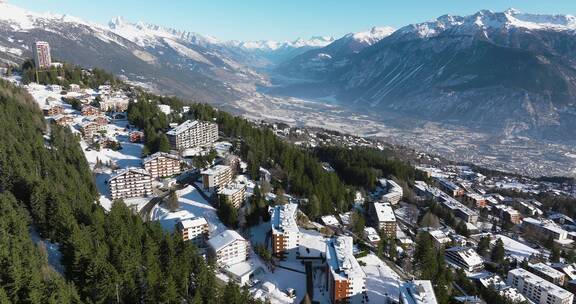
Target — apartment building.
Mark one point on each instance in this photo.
(548, 273)
(161, 164)
(459, 210)
(216, 177)
(195, 230)
(136, 136)
(417, 292)
(52, 110)
(464, 258)
(544, 230)
(228, 248)
(130, 182)
(507, 213)
(537, 289)
(449, 187)
(90, 128)
(285, 233)
(439, 239)
(394, 192)
(383, 218)
(345, 279)
(193, 134)
(63, 120)
(475, 200)
(89, 110)
(372, 235)
(101, 120)
(42, 57)
(114, 104)
(235, 193)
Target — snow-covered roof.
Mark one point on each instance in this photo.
(193, 222)
(440, 236)
(340, 258)
(215, 170)
(417, 292)
(159, 154)
(129, 169)
(542, 283)
(283, 218)
(231, 189)
(312, 244)
(467, 255)
(547, 270)
(384, 212)
(330, 220)
(224, 239)
(182, 127)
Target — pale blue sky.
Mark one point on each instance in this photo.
(283, 19)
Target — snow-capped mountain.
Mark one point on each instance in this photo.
(506, 71)
(487, 21)
(176, 62)
(316, 62)
(266, 53)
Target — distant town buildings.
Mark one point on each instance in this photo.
(195, 230)
(285, 232)
(42, 57)
(216, 177)
(537, 289)
(228, 248)
(162, 164)
(193, 134)
(345, 278)
(130, 182)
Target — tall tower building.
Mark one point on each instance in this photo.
(42, 57)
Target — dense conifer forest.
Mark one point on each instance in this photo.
(46, 184)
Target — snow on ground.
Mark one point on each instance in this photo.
(192, 204)
(381, 280)
(258, 233)
(130, 154)
(282, 279)
(52, 250)
(516, 249)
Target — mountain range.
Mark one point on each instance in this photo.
(504, 71)
(507, 72)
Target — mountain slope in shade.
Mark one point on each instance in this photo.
(502, 71)
(321, 61)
